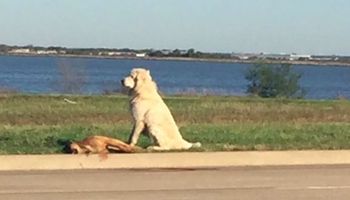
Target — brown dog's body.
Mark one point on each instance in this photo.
(100, 144)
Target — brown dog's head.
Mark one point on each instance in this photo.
(136, 78)
(75, 148)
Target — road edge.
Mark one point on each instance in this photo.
(173, 160)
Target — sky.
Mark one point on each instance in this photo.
(270, 26)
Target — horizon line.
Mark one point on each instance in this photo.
(139, 49)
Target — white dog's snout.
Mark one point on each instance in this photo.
(128, 82)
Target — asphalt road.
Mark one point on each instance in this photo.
(268, 183)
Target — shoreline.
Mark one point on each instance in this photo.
(184, 59)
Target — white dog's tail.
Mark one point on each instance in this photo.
(196, 145)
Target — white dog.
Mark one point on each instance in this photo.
(151, 114)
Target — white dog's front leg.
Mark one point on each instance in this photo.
(136, 131)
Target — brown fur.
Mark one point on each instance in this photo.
(101, 145)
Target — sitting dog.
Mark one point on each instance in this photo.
(151, 114)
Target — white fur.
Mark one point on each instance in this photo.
(151, 114)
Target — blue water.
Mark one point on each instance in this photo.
(49, 75)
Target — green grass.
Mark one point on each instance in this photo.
(35, 124)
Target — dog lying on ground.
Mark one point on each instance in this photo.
(151, 114)
(101, 145)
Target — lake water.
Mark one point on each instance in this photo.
(96, 76)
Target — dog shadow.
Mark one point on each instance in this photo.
(64, 145)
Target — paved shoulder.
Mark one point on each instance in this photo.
(173, 160)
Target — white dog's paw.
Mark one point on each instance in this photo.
(196, 145)
(157, 148)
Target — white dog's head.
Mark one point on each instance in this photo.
(137, 78)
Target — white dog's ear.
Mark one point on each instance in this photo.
(149, 73)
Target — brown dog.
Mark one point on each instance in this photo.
(101, 145)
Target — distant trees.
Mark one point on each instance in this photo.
(157, 53)
(273, 81)
(190, 53)
(3, 48)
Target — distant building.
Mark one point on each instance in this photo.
(243, 56)
(325, 58)
(141, 55)
(114, 53)
(275, 56)
(46, 52)
(299, 57)
(20, 51)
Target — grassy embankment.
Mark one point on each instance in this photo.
(31, 124)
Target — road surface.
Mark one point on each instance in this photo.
(268, 183)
